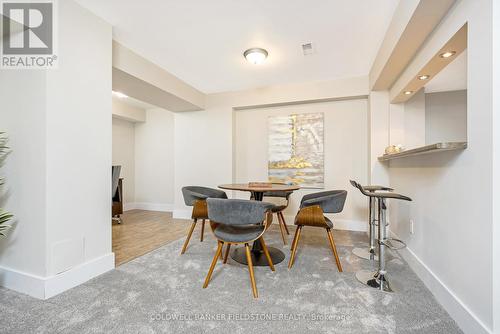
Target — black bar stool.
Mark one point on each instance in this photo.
(370, 253)
(378, 279)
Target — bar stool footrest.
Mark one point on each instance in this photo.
(365, 253)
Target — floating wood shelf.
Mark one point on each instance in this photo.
(438, 147)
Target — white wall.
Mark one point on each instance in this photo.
(145, 150)
(79, 141)
(345, 149)
(23, 119)
(446, 116)
(407, 122)
(203, 139)
(496, 166)
(414, 121)
(429, 118)
(396, 124)
(60, 177)
(378, 129)
(452, 206)
(154, 161)
(124, 155)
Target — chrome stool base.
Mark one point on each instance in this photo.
(365, 253)
(373, 280)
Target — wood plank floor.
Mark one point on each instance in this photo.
(143, 231)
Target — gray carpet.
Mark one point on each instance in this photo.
(161, 292)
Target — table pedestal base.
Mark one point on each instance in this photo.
(258, 258)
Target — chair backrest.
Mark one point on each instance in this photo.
(331, 201)
(277, 193)
(193, 193)
(360, 187)
(237, 211)
(115, 177)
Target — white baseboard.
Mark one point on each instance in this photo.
(464, 317)
(128, 206)
(46, 287)
(28, 284)
(164, 207)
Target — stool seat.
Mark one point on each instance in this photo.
(379, 194)
(377, 188)
(391, 195)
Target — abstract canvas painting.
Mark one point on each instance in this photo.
(296, 152)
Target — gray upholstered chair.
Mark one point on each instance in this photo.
(279, 208)
(196, 197)
(311, 213)
(236, 221)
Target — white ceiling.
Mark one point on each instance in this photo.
(452, 77)
(202, 41)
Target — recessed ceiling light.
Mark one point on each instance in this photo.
(447, 54)
(255, 55)
(408, 92)
(424, 77)
(120, 95)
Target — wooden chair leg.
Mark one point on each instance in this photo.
(188, 237)
(334, 249)
(282, 229)
(202, 230)
(227, 252)
(250, 270)
(266, 252)
(214, 262)
(295, 243)
(284, 222)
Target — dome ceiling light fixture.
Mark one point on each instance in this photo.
(255, 55)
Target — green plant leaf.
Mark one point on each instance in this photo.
(5, 217)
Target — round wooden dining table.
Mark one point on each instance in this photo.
(257, 193)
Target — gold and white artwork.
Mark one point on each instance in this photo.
(296, 153)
